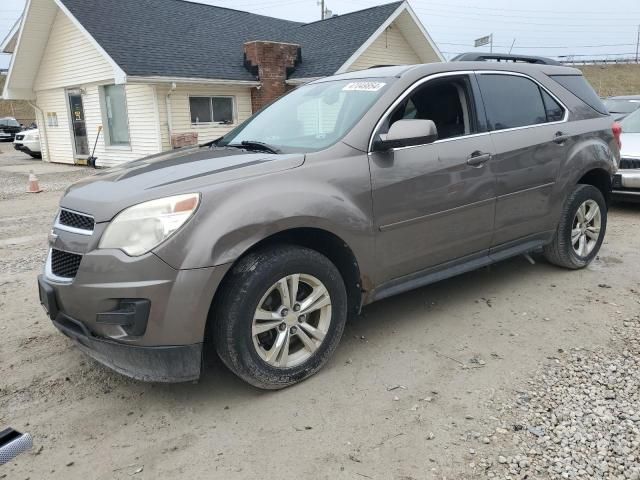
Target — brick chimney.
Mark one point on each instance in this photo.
(271, 62)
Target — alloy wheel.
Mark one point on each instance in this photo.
(586, 228)
(291, 320)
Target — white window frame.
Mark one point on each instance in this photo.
(234, 111)
(105, 120)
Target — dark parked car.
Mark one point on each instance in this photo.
(9, 126)
(620, 107)
(347, 190)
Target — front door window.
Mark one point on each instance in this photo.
(78, 125)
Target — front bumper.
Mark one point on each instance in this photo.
(626, 184)
(179, 363)
(27, 146)
(160, 341)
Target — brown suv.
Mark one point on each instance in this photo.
(347, 190)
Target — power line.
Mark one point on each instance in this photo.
(547, 46)
(631, 54)
(454, 16)
(492, 15)
(571, 12)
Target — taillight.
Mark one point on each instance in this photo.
(617, 133)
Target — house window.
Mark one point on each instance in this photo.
(211, 110)
(115, 115)
(52, 119)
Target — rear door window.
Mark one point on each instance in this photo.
(511, 101)
(577, 85)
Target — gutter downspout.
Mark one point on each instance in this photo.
(44, 128)
(169, 116)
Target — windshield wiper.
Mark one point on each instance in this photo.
(254, 145)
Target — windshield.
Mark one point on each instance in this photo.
(631, 124)
(622, 106)
(310, 118)
(9, 122)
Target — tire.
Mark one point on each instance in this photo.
(563, 251)
(252, 284)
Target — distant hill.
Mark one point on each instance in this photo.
(608, 80)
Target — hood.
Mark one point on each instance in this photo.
(630, 145)
(180, 171)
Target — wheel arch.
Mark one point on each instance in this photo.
(599, 178)
(323, 241)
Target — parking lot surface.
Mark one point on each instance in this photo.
(448, 381)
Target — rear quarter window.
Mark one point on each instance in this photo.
(579, 86)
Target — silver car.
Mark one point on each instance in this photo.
(626, 183)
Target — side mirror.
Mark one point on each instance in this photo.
(407, 133)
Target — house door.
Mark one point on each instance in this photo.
(78, 126)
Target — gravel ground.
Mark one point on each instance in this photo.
(580, 416)
(15, 167)
(505, 372)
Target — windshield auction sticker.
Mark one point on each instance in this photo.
(363, 86)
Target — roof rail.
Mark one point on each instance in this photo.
(503, 57)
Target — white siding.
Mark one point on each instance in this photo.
(390, 48)
(181, 115)
(144, 132)
(71, 61)
(58, 138)
(70, 58)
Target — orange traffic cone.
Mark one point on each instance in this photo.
(33, 186)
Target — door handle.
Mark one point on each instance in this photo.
(478, 158)
(560, 138)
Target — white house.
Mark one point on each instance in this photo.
(154, 74)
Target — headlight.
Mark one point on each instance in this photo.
(140, 228)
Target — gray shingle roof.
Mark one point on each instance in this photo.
(176, 38)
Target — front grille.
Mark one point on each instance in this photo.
(629, 163)
(19, 137)
(64, 264)
(76, 220)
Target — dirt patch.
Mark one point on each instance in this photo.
(416, 390)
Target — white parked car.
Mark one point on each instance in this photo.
(28, 141)
(626, 184)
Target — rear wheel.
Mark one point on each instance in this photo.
(280, 316)
(581, 229)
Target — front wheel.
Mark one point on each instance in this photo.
(280, 316)
(581, 229)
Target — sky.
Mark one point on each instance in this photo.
(581, 28)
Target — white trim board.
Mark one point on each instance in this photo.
(208, 81)
(402, 8)
(12, 33)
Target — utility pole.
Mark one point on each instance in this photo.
(321, 3)
(512, 44)
(638, 44)
(491, 47)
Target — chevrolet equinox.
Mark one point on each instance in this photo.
(347, 190)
